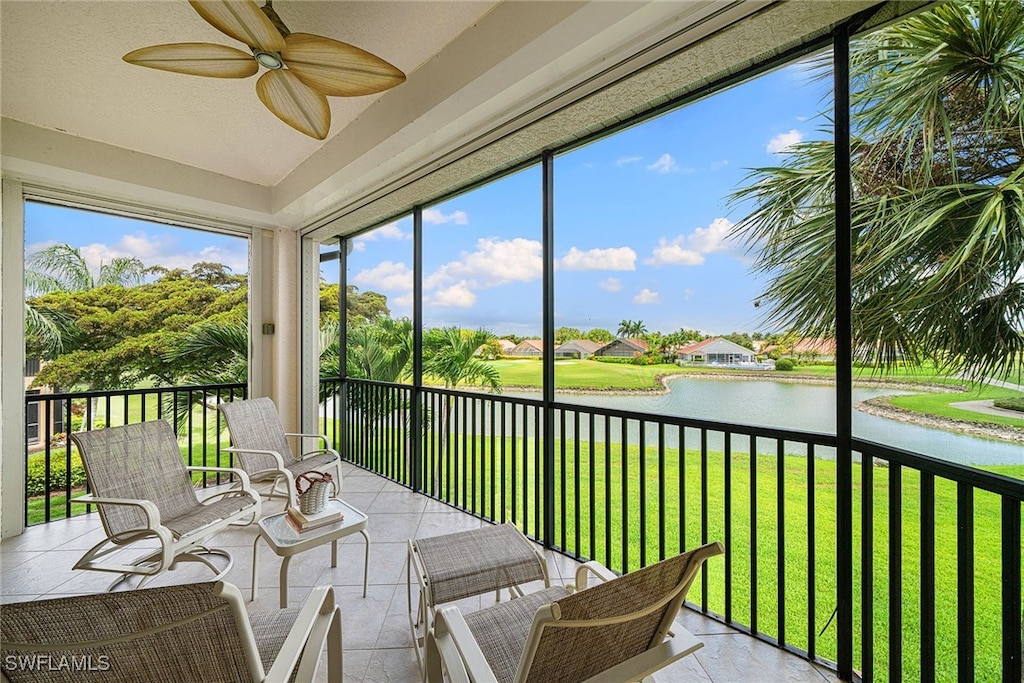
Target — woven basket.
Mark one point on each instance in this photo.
(314, 489)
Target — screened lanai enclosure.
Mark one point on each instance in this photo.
(552, 169)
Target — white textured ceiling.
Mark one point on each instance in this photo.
(62, 70)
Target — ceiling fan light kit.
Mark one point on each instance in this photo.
(302, 68)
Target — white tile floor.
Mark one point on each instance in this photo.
(377, 643)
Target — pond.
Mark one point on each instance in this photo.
(800, 407)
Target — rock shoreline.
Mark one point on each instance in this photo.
(880, 407)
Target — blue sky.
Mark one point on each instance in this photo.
(641, 226)
(101, 237)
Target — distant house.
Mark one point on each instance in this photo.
(504, 344)
(577, 348)
(622, 348)
(42, 418)
(715, 350)
(815, 348)
(810, 348)
(528, 348)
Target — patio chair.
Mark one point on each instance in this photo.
(261, 445)
(143, 491)
(194, 632)
(619, 630)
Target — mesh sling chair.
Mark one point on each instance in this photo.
(194, 632)
(618, 630)
(143, 491)
(260, 444)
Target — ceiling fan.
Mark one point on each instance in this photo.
(302, 68)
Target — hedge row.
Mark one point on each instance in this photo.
(35, 480)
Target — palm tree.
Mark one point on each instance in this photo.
(449, 355)
(61, 268)
(938, 198)
(632, 329)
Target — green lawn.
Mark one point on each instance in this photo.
(585, 374)
(940, 405)
(621, 509)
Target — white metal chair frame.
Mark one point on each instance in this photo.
(280, 475)
(187, 547)
(317, 624)
(452, 652)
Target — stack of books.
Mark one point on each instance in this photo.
(331, 514)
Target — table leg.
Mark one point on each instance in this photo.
(334, 554)
(255, 547)
(284, 580)
(366, 561)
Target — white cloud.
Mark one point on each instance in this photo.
(664, 164)
(687, 293)
(646, 296)
(388, 276)
(495, 262)
(712, 238)
(163, 250)
(689, 250)
(614, 258)
(622, 161)
(456, 296)
(674, 254)
(783, 141)
(391, 231)
(719, 165)
(435, 217)
(612, 284)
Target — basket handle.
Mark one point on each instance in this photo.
(310, 478)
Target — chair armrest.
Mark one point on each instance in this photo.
(277, 456)
(319, 451)
(321, 437)
(649, 661)
(236, 471)
(307, 637)
(452, 651)
(597, 569)
(148, 507)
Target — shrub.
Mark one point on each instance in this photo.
(615, 359)
(784, 364)
(1015, 403)
(35, 477)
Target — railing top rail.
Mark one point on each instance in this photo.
(815, 438)
(980, 479)
(35, 398)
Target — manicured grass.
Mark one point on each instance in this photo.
(611, 493)
(940, 405)
(585, 374)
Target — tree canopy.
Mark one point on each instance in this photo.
(938, 198)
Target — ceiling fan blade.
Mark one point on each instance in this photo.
(295, 103)
(336, 68)
(198, 59)
(242, 20)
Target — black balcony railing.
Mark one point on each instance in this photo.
(54, 472)
(937, 562)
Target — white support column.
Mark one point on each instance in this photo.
(287, 347)
(262, 280)
(310, 335)
(12, 360)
